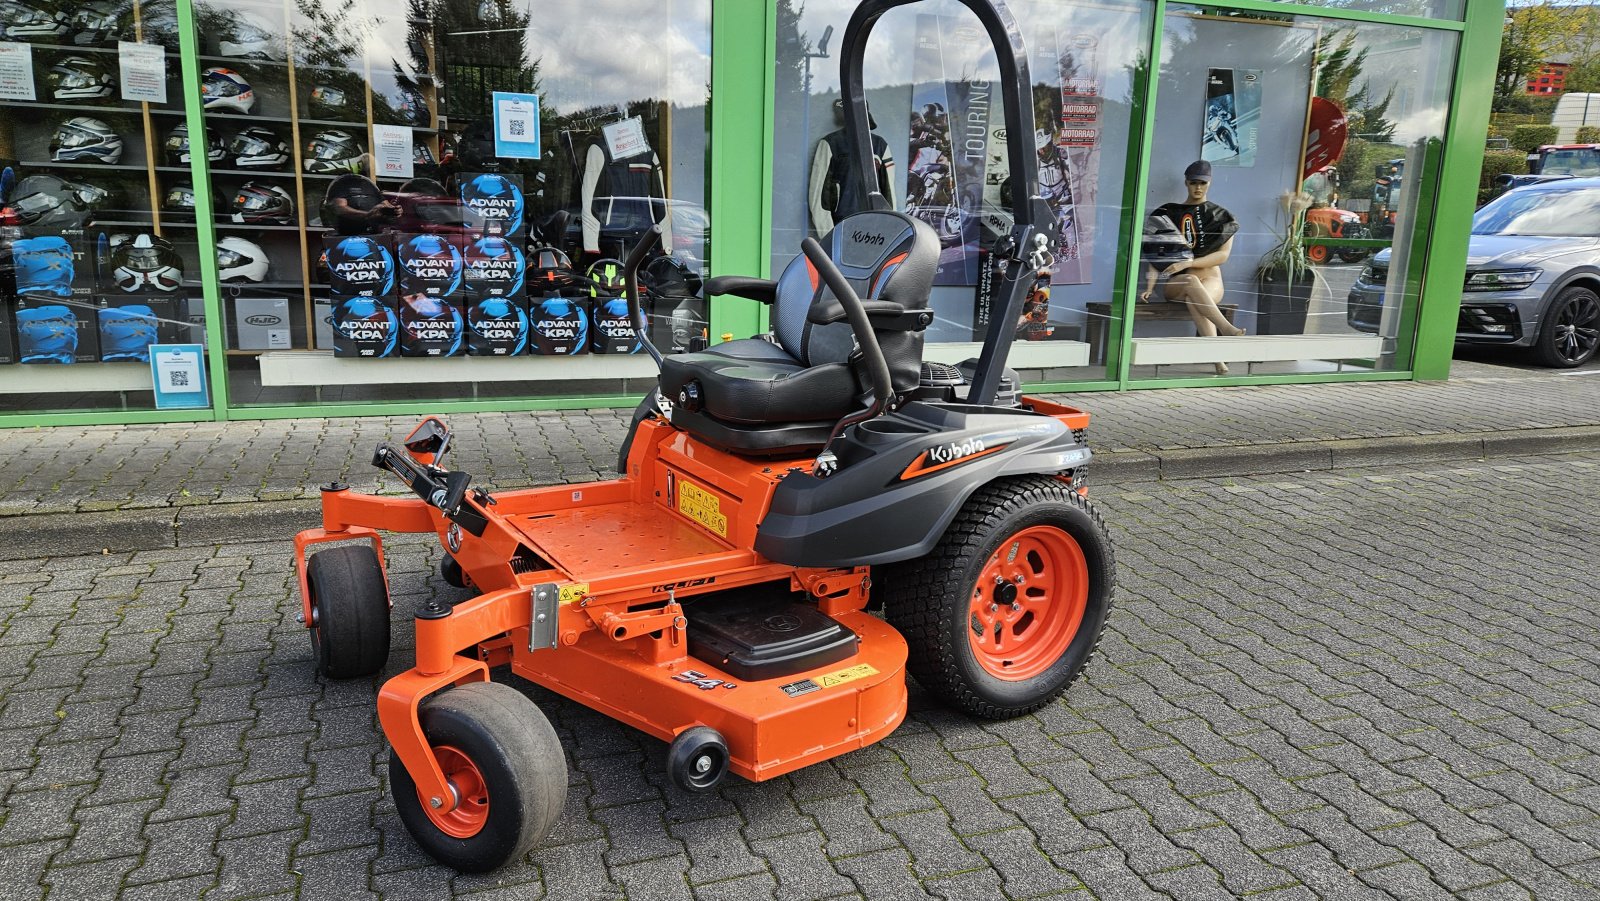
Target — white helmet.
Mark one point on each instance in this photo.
(252, 36)
(226, 89)
(239, 260)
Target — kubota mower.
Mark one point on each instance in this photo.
(773, 490)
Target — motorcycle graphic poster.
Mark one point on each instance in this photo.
(1232, 117)
(951, 101)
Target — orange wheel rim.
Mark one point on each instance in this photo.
(1317, 253)
(1028, 603)
(472, 805)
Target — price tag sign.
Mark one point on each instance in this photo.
(516, 126)
(392, 145)
(626, 138)
(179, 373)
(16, 71)
(144, 71)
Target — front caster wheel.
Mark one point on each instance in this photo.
(1007, 610)
(349, 611)
(698, 759)
(504, 764)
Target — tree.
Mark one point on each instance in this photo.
(1532, 34)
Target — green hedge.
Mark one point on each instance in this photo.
(1589, 134)
(1497, 163)
(1528, 138)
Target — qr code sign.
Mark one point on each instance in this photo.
(518, 127)
(177, 378)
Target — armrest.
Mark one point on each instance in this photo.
(884, 314)
(757, 289)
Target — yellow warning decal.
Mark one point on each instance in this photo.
(859, 671)
(702, 506)
(572, 594)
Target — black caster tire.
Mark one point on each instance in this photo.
(349, 611)
(698, 759)
(503, 758)
(450, 570)
(1008, 608)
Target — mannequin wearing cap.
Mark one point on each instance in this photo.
(834, 195)
(1198, 282)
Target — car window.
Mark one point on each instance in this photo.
(1555, 214)
(1574, 161)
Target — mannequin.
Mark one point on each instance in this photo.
(605, 180)
(1198, 282)
(833, 193)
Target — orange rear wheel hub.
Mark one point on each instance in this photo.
(1028, 603)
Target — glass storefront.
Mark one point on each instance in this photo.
(942, 134)
(427, 203)
(1317, 143)
(99, 257)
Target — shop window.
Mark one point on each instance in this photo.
(1431, 9)
(432, 200)
(1285, 148)
(940, 127)
(98, 257)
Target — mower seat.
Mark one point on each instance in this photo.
(783, 397)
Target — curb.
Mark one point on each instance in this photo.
(203, 525)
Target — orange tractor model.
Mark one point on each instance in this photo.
(772, 492)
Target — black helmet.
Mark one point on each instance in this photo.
(667, 276)
(32, 21)
(262, 203)
(178, 203)
(258, 147)
(146, 263)
(46, 200)
(97, 22)
(83, 139)
(79, 78)
(177, 146)
(333, 151)
(1162, 243)
(331, 102)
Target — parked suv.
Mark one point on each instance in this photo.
(1533, 275)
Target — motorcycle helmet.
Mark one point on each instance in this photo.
(225, 89)
(258, 147)
(330, 102)
(47, 334)
(31, 20)
(77, 78)
(43, 266)
(670, 277)
(178, 203)
(429, 265)
(333, 151)
(605, 277)
(177, 146)
(48, 201)
(83, 139)
(251, 35)
(239, 260)
(126, 333)
(266, 204)
(359, 266)
(549, 271)
(146, 263)
(98, 22)
(494, 202)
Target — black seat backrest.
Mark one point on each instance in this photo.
(885, 256)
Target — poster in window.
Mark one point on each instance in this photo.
(951, 99)
(1232, 117)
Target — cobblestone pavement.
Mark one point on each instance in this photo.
(110, 467)
(1344, 686)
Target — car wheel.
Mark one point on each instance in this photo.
(1571, 330)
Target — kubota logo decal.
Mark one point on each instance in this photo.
(944, 456)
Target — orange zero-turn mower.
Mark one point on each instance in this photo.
(716, 595)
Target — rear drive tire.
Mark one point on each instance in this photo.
(349, 611)
(1571, 330)
(503, 759)
(1008, 608)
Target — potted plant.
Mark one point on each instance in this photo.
(1283, 277)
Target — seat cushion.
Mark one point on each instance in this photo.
(753, 381)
